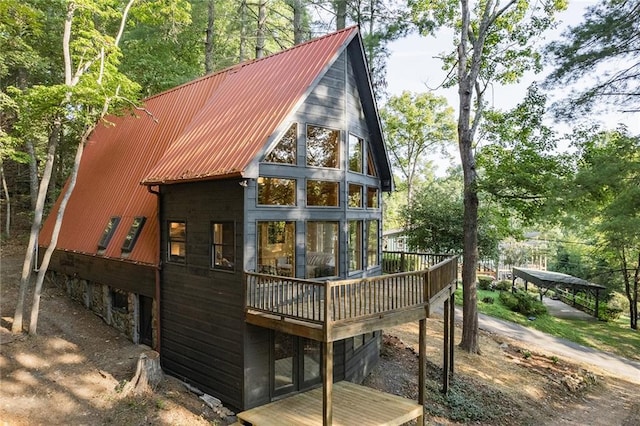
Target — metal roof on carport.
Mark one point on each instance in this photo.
(549, 279)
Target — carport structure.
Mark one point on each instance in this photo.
(547, 280)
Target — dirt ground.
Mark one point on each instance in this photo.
(73, 372)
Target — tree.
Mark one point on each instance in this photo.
(606, 45)
(495, 44)
(606, 197)
(92, 88)
(416, 125)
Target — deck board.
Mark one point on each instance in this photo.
(352, 405)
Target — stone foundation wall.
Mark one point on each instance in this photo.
(98, 298)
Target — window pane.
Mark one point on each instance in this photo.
(372, 197)
(323, 147)
(276, 248)
(177, 241)
(284, 354)
(372, 243)
(322, 249)
(371, 168)
(223, 246)
(285, 151)
(355, 195)
(275, 191)
(321, 193)
(355, 154)
(355, 245)
(311, 361)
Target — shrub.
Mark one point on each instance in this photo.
(523, 303)
(484, 282)
(503, 285)
(607, 313)
(488, 300)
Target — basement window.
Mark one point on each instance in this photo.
(132, 235)
(119, 301)
(109, 230)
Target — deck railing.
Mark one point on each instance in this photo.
(347, 300)
(400, 261)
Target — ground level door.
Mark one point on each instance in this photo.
(146, 321)
(295, 364)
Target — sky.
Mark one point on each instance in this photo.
(412, 66)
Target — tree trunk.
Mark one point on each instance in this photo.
(467, 74)
(7, 229)
(262, 17)
(341, 14)
(44, 266)
(243, 30)
(298, 34)
(29, 259)
(33, 174)
(148, 374)
(208, 43)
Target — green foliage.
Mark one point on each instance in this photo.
(503, 285)
(488, 300)
(523, 303)
(484, 282)
(606, 40)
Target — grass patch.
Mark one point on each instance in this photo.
(615, 336)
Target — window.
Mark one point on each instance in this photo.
(355, 245)
(372, 197)
(355, 154)
(323, 147)
(223, 246)
(276, 248)
(322, 193)
(276, 191)
(108, 232)
(322, 249)
(119, 300)
(371, 167)
(285, 151)
(372, 243)
(355, 195)
(132, 235)
(177, 242)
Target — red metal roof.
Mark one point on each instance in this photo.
(210, 128)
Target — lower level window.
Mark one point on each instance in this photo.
(322, 249)
(119, 300)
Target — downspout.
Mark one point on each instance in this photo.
(157, 270)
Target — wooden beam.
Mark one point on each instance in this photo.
(422, 359)
(446, 358)
(452, 328)
(327, 384)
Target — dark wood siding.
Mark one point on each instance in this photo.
(135, 278)
(360, 362)
(202, 318)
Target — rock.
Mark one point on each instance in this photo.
(211, 401)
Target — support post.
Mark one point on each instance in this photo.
(327, 384)
(597, 303)
(446, 359)
(422, 359)
(452, 324)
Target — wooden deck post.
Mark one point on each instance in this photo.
(446, 359)
(452, 328)
(327, 361)
(422, 359)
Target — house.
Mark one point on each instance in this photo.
(222, 202)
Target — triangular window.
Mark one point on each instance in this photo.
(371, 166)
(285, 151)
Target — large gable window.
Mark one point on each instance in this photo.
(355, 195)
(371, 167)
(132, 235)
(322, 249)
(285, 151)
(355, 153)
(323, 147)
(372, 243)
(108, 232)
(223, 246)
(372, 197)
(322, 193)
(177, 242)
(355, 245)
(276, 191)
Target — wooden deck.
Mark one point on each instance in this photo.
(353, 405)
